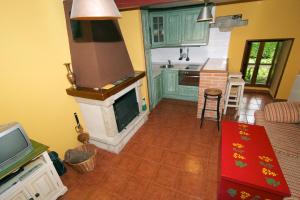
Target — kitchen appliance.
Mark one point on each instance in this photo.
(187, 77)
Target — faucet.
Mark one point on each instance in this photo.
(169, 62)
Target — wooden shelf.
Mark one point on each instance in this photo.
(103, 94)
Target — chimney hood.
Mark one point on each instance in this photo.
(227, 23)
(98, 52)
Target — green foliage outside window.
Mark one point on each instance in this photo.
(267, 57)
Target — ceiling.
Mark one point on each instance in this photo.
(134, 4)
(194, 2)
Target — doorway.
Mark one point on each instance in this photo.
(265, 60)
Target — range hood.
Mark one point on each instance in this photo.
(227, 23)
(98, 51)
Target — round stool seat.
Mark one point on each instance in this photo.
(213, 92)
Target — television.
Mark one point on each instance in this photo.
(14, 144)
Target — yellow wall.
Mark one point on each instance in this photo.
(131, 27)
(34, 46)
(267, 19)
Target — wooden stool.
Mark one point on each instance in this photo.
(235, 75)
(213, 94)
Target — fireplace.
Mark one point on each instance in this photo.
(112, 117)
(100, 60)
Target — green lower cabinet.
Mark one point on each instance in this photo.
(158, 90)
(172, 90)
(170, 82)
(188, 92)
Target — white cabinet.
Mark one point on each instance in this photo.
(16, 193)
(38, 181)
(42, 185)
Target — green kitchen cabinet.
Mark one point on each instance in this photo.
(177, 27)
(172, 89)
(170, 82)
(158, 29)
(193, 31)
(173, 28)
(158, 90)
(146, 29)
(188, 92)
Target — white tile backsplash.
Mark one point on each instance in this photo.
(217, 48)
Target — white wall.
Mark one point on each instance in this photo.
(217, 48)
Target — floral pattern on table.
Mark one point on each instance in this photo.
(238, 148)
(244, 195)
(237, 155)
(267, 167)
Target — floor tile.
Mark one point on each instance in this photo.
(153, 153)
(129, 163)
(194, 164)
(190, 183)
(115, 182)
(199, 150)
(135, 188)
(166, 176)
(172, 158)
(147, 169)
(156, 192)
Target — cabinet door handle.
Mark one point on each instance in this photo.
(37, 195)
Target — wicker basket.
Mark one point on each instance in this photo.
(87, 165)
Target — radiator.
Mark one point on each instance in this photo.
(295, 92)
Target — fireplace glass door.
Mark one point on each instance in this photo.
(126, 109)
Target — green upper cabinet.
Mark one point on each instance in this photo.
(173, 27)
(157, 23)
(178, 27)
(193, 31)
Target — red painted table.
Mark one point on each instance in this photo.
(249, 168)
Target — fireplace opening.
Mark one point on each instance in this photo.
(126, 109)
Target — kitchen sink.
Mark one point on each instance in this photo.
(167, 66)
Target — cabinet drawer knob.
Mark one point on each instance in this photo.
(37, 195)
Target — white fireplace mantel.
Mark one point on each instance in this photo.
(101, 123)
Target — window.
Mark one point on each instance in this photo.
(259, 61)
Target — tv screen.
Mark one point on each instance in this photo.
(14, 144)
(11, 144)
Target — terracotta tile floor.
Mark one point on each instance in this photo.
(170, 157)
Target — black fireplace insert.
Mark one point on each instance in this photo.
(126, 109)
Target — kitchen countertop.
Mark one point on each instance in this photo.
(211, 64)
(215, 64)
